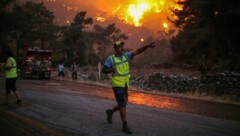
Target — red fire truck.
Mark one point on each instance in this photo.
(37, 63)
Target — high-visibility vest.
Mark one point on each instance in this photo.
(12, 73)
(122, 71)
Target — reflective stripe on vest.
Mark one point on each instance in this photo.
(12, 73)
(122, 75)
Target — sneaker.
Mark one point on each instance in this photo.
(18, 101)
(109, 115)
(126, 129)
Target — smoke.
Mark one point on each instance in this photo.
(110, 10)
(115, 11)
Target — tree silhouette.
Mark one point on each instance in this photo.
(76, 41)
(107, 36)
(208, 31)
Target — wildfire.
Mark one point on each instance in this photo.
(100, 19)
(148, 13)
(166, 27)
(134, 12)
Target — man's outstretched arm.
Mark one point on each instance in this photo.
(142, 49)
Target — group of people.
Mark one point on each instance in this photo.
(117, 64)
(61, 71)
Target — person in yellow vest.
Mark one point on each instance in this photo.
(11, 77)
(119, 65)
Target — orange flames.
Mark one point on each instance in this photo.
(148, 13)
(134, 12)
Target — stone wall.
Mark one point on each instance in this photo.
(227, 83)
(218, 84)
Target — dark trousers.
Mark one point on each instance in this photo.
(10, 85)
(74, 75)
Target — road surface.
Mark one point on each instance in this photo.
(70, 108)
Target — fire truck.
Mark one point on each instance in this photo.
(37, 63)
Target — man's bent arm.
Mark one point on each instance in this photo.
(107, 70)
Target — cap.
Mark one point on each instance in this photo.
(119, 43)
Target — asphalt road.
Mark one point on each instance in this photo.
(68, 108)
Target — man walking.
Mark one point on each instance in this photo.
(74, 71)
(11, 77)
(118, 65)
(61, 72)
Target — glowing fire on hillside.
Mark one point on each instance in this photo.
(148, 13)
(134, 12)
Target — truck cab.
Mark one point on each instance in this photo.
(37, 63)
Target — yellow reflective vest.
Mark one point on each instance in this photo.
(12, 73)
(122, 71)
